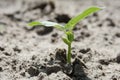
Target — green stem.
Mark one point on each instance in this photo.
(69, 54)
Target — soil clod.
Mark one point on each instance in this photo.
(61, 55)
(100, 67)
(44, 30)
(78, 72)
(104, 62)
(84, 50)
(23, 73)
(41, 30)
(111, 23)
(33, 71)
(2, 49)
(53, 69)
(16, 49)
(7, 54)
(117, 35)
(118, 58)
(55, 35)
(1, 69)
(68, 69)
(62, 18)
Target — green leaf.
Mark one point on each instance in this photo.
(66, 41)
(35, 23)
(70, 25)
(47, 24)
(70, 36)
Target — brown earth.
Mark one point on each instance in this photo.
(38, 53)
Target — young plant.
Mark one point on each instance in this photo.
(68, 28)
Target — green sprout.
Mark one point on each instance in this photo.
(68, 28)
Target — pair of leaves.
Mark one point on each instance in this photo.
(70, 37)
(70, 25)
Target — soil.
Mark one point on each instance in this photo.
(38, 53)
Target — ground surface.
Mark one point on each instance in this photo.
(36, 53)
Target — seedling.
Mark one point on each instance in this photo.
(68, 28)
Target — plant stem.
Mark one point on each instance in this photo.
(69, 54)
